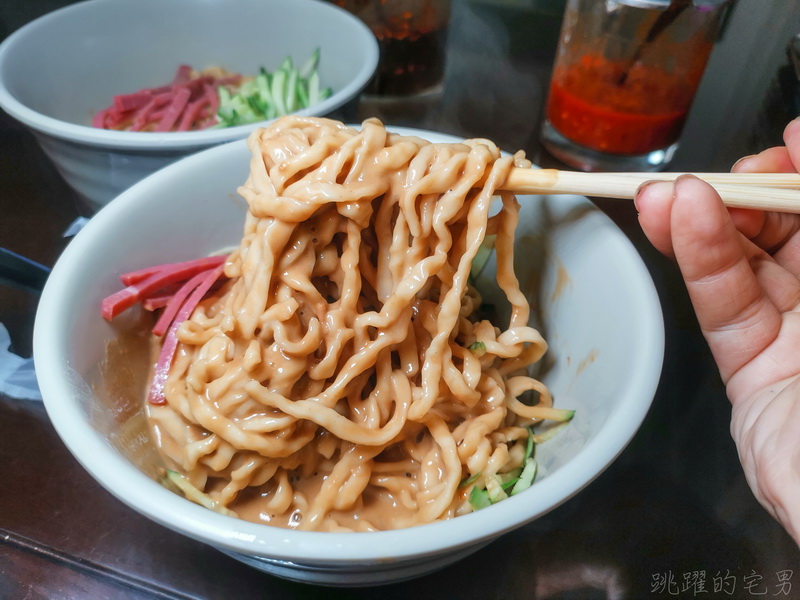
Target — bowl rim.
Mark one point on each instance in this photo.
(149, 498)
(175, 140)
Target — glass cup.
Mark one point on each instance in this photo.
(625, 75)
(412, 35)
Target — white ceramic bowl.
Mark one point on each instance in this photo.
(598, 308)
(56, 71)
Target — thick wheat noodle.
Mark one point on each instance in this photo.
(342, 379)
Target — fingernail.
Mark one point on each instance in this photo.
(652, 191)
(741, 161)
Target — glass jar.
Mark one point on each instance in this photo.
(412, 37)
(625, 75)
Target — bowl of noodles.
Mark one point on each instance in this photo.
(342, 354)
(153, 64)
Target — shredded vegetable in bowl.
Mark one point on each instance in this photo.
(215, 97)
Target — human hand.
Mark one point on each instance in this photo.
(742, 272)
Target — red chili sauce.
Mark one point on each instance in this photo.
(595, 105)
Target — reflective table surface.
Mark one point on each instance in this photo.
(672, 517)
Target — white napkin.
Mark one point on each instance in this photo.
(74, 227)
(17, 376)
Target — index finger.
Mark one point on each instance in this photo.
(773, 231)
(736, 316)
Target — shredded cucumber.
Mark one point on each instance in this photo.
(501, 486)
(495, 490)
(478, 348)
(526, 477)
(482, 257)
(468, 480)
(270, 95)
(479, 498)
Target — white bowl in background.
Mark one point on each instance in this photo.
(58, 70)
(597, 308)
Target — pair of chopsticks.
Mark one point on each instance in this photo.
(778, 192)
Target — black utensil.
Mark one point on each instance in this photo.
(20, 272)
(664, 20)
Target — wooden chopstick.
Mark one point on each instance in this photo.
(765, 191)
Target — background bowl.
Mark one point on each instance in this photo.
(597, 307)
(58, 70)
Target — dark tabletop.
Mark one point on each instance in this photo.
(672, 517)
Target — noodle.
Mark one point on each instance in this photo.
(342, 379)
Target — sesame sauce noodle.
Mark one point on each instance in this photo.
(342, 379)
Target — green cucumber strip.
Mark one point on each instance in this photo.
(482, 256)
(478, 348)
(278, 90)
(529, 446)
(469, 480)
(561, 415)
(269, 95)
(509, 484)
(310, 65)
(511, 475)
(479, 499)
(291, 92)
(287, 64)
(495, 490)
(302, 92)
(526, 478)
(313, 89)
(256, 105)
(509, 480)
(549, 433)
(262, 85)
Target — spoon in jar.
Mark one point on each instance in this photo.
(664, 20)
